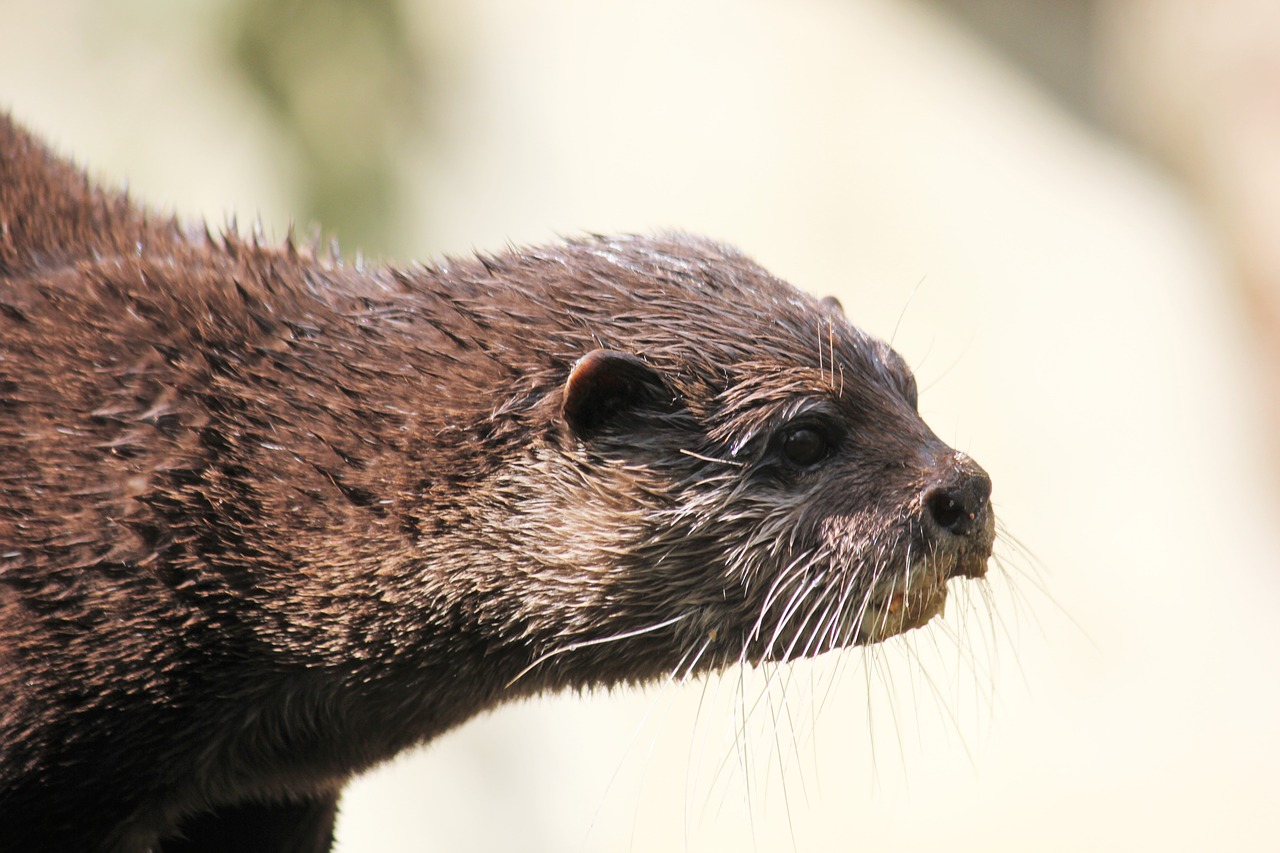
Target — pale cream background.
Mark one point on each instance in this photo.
(1071, 326)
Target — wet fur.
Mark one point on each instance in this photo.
(266, 520)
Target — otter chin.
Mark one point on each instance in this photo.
(267, 520)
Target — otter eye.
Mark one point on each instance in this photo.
(804, 445)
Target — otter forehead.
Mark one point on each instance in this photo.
(692, 307)
(738, 309)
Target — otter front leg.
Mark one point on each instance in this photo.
(299, 826)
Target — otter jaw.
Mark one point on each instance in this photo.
(912, 600)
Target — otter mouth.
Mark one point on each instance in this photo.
(902, 607)
(897, 605)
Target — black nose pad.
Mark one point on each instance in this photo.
(958, 504)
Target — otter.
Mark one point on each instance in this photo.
(267, 520)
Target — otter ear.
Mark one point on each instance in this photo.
(604, 384)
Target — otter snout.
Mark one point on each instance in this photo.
(957, 514)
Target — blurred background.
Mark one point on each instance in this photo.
(1063, 214)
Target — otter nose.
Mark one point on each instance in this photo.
(958, 502)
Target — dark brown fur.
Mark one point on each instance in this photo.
(266, 520)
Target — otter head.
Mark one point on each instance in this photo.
(743, 475)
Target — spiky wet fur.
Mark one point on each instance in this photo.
(266, 520)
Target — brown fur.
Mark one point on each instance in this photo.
(266, 520)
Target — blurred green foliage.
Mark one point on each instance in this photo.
(342, 80)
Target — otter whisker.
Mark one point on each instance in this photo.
(785, 578)
(994, 623)
(597, 641)
(823, 638)
(903, 313)
(831, 344)
(869, 598)
(693, 664)
(820, 354)
(940, 701)
(822, 607)
(792, 575)
(967, 658)
(777, 745)
(885, 673)
(842, 662)
(713, 460)
(743, 714)
(839, 614)
(1028, 568)
(800, 595)
(798, 632)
